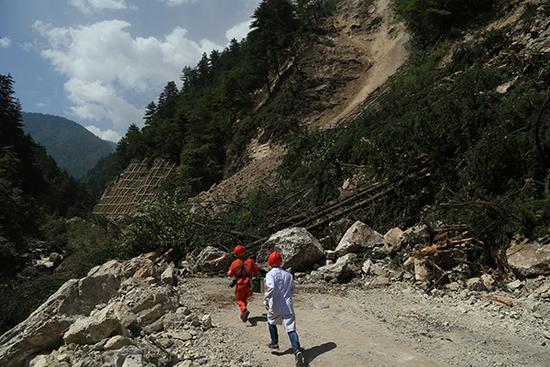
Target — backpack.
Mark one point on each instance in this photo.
(243, 272)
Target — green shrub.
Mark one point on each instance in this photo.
(159, 226)
(431, 19)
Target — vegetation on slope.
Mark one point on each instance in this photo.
(207, 123)
(484, 151)
(32, 187)
(36, 199)
(431, 20)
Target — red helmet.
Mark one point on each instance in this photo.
(275, 260)
(239, 250)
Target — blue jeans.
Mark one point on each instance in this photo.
(293, 336)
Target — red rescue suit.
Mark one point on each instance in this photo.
(243, 270)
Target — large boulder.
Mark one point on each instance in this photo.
(528, 258)
(212, 260)
(341, 271)
(43, 329)
(94, 328)
(299, 248)
(357, 238)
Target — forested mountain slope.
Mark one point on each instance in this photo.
(425, 120)
(455, 111)
(33, 189)
(73, 147)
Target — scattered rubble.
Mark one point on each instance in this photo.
(131, 313)
(123, 313)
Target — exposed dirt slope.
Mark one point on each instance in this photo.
(363, 47)
(367, 46)
(260, 171)
(395, 326)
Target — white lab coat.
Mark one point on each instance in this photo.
(279, 290)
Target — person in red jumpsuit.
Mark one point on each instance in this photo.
(242, 269)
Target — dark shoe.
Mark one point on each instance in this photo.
(244, 316)
(273, 345)
(299, 358)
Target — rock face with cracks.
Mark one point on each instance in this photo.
(299, 248)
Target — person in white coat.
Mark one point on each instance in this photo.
(279, 290)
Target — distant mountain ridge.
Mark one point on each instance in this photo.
(73, 147)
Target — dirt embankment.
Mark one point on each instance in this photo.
(393, 326)
(367, 46)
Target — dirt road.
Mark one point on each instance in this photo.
(393, 326)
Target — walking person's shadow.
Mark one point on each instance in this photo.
(311, 353)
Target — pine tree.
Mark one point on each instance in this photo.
(150, 111)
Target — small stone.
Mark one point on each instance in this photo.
(117, 342)
(475, 284)
(379, 282)
(488, 281)
(168, 277)
(135, 360)
(421, 272)
(181, 335)
(320, 304)
(165, 342)
(207, 322)
(516, 284)
(366, 266)
(453, 286)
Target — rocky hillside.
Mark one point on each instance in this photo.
(356, 51)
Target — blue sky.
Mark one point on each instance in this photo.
(99, 62)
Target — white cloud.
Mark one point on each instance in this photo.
(94, 100)
(238, 31)
(41, 104)
(178, 2)
(104, 63)
(28, 46)
(108, 134)
(92, 6)
(5, 42)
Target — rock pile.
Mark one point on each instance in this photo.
(429, 257)
(121, 314)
